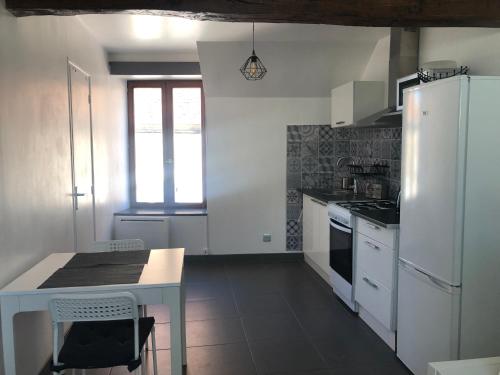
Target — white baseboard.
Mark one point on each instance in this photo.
(388, 336)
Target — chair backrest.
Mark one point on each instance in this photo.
(93, 307)
(119, 245)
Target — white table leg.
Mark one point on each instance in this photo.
(183, 322)
(9, 307)
(173, 299)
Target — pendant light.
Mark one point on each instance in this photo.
(253, 69)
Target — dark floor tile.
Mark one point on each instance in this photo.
(272, 326)
(310, 296)
(159, 312)
(229, 359)
(291, 318)
(203, 332)
(163, 358)
(261, 304)
(330, 321)
(210, 309)
(389, 369)
(309, 372)
(162, 334)
(356, 348)
(214, 332)
(101, 371)
(273, 356)
(200, 273)
(200, 291)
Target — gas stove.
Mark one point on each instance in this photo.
(341, 211)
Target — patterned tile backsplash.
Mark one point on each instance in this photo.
(312, 154)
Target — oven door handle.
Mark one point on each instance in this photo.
(338, 227)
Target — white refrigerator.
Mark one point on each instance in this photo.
(449, 253)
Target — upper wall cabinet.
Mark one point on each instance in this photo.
(356, 100)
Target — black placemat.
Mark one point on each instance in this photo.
(94, 276)
(81, 260)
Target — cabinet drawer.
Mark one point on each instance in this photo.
(374, 297)
(376, 258)
(376, 232)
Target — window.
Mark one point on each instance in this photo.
(166, 137)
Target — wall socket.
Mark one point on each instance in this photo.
(266, 237)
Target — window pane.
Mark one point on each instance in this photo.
(148, 145)
(188, 175)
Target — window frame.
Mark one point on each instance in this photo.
(168, 151)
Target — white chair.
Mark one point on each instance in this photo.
(106, 332)
(122, 245)
(119, 245)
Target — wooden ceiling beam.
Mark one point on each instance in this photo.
(478, 13)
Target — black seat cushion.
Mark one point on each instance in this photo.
(103, 344)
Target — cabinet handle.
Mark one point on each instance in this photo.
(319, 202)
(373, 246)
(340, 122)
(369, 282)
(372, 226)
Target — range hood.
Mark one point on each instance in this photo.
(403, 61)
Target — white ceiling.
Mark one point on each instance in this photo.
(172, 38)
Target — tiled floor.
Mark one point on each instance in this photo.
(268, 318)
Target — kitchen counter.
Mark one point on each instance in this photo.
(385, 218)
(163, 212)
(328, 196)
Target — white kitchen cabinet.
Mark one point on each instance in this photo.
(316, 236)
(356, 100)
(376, 251)
(307, 225)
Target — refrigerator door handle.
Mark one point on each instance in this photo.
(439, 283)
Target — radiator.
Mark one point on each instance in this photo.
(154, 231)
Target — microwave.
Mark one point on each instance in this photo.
(404, 83)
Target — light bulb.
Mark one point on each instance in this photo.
(253, 68)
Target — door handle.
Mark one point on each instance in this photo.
(373, 246)
(76, 194)
(372, 226)
(369, 282)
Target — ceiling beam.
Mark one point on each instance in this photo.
(478, 13)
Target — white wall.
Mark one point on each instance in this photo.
(246, 131)
(295, 69)
(35, 179)
(475, 47)
(246, 168)
(377, 68)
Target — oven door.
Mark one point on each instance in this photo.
(341, 250)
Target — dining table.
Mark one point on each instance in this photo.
(158, 281)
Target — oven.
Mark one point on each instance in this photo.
(341, 252)
(342, 257)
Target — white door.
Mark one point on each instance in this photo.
(428, 320)
(82, 163)
(430, 179)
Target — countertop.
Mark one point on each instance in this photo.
(335, 196)
(163, 212)
(385, 218)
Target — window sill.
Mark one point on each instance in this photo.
(163, 212)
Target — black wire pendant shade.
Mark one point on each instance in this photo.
(253, 69)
